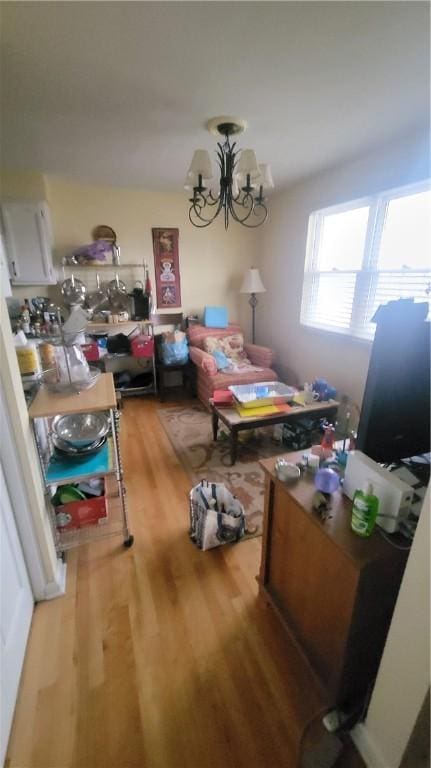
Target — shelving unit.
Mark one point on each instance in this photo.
(144, 326)
(106, 463)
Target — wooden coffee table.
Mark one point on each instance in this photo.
(236, 423)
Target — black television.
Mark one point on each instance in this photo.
(395, 414)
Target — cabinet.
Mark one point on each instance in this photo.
(106, 463)
(27, 233)
(334, 592)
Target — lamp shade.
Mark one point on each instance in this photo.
(252, 282)
(248, 164)
(201, 165)
(265, 179)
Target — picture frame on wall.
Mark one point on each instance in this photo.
(167, 267)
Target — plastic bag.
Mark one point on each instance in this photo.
(175, 352)
(216, 516)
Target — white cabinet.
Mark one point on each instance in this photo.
(27, 233)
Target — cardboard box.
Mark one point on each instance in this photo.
(79, 514)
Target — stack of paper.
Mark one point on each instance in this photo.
(262, 410)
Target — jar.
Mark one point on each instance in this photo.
(28, 360)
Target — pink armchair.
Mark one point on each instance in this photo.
(209, 378)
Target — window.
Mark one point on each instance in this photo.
(366, 253)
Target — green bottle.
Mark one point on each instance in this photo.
(365, 510)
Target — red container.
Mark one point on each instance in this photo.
(142, 346)
(79, 514)
(91, 350)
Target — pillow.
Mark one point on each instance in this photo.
(212, 344)
(215, 317)
(222, 361)
(233, 347)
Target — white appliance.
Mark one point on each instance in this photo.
(395, 496)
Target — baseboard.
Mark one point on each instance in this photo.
(367, 747)
(57, 588)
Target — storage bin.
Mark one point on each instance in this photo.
(142, 346)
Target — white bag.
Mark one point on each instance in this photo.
(216, 516)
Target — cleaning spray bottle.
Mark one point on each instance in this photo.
(365, 509)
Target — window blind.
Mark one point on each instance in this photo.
(397, 237)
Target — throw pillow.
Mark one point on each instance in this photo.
(212, 344)
(233, 347)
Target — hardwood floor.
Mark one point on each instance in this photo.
(160, 656)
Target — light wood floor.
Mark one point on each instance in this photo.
(160, 656)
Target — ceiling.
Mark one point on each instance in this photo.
(119, 92)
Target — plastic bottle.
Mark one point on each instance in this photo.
(364, 511)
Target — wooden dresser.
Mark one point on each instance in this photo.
(334, 592)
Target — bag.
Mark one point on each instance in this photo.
(120, 343)
(176, 351)
(216, 516)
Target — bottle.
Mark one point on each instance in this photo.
(364, 510)
(25, 319)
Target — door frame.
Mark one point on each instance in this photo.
(43, 585)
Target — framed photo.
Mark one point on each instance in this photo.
(167, 268)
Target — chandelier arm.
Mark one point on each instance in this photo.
(253, 210)
(247, 203)
(196, 210)
(255, 206)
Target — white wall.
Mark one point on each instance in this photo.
(342, 361)
(404, 674)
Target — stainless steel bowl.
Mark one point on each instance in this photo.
(81, 429)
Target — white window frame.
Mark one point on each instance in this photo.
(366, 276)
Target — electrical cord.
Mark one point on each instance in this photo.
(392, 543)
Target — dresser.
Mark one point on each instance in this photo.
(334, 591)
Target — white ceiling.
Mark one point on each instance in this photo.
(119, 92)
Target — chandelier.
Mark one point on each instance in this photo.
(238, 192)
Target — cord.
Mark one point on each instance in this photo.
(392, 543)
(317, 716)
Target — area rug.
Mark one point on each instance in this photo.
(190, 432)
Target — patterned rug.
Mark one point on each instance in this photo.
(190, 432)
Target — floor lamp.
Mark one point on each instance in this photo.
(252, 284)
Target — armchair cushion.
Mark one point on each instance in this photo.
(258, 355)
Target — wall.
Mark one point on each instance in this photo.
(212, 261)
(303, 352)
(404, 674)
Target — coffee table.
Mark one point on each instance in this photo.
(236, 423)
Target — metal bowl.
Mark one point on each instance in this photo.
(64, 450)
(81, 429)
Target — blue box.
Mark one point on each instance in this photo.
(215, 317)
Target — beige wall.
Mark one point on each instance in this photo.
(212, 261)
(343, 361)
